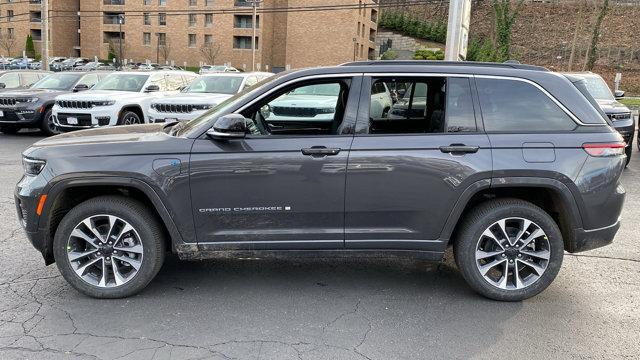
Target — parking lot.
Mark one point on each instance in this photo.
(316, 309)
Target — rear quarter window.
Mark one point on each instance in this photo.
(516, 106)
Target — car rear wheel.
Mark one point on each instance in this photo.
(109, 247)
(508, 249)
(129, 118)
(8, 129)
(48, 126)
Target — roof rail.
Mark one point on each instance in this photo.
(445, 63)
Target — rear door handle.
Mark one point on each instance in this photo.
(459, 149)
(320, 151)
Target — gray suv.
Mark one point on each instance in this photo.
(510, 164)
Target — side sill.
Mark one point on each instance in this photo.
(200, 252)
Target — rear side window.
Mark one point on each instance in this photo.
(421, 105)
(517, 106)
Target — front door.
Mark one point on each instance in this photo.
(409, 164)
(283, 186)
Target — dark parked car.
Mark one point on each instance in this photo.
(619, 114)
(31, 108)
(510, 164)
(20, 79)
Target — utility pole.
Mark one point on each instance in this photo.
(120, 22)
(45, 34)
(254, 4)
(458, 30)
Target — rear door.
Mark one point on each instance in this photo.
(409, 164)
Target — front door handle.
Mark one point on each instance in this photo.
(320, 151)
(459, 149)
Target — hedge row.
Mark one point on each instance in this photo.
(414, 27)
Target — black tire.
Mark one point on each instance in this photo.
(628, 151)
(129, 118)
(47, 126)
(480, 219)
(137, 215)
(8, 129)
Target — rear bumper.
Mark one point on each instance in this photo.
(584, 240)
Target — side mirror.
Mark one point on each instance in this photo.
(81, 87)
(152, 88)
(3, 85)
(619, 94)
(230, 126)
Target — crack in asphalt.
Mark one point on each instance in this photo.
(603, 257)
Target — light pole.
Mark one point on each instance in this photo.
(157, 48)
(254, 4)
(45, 34)
(355, 48)
(120, 22)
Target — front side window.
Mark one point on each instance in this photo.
(90, 80)
(10, 80)
(517, 106)
(421, 105)
(216, 85)
(122, 82)
(306, 109)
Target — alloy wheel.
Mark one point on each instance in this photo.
(512, 253)
(105, 251)
(131, 120)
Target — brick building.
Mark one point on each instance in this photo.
(192, 32)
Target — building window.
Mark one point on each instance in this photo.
(208, 19)
(9, 15)
(162, 19)
(243, 42)
(147, 18)
(146, 39)
(147, 2)
(208, 2)
(162, 2)
(192, 40)
(208, 40)
(358, 28)
(193, 19)
(10, 33)
(162, 39)
(193, 2)
(245, 21)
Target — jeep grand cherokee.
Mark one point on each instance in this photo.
(510, 164)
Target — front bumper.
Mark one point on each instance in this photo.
(26, 195)
(21, 116)
(627, 129)
(84, 118)
(584, 240)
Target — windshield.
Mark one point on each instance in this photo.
(319, 90)
(226, 105)
(122, 82)
(57, 82)
(598, 88)
(216, 85)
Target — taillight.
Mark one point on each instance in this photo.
(604, 149)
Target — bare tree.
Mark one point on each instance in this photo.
(114, 48)
(592, 55)
(165, 50)
(7, 43)
(575, 35)
(210, 52)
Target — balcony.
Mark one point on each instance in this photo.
(112, 19)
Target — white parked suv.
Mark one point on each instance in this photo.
(119, 99)
(205, 92)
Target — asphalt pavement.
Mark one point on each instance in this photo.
(317, 309)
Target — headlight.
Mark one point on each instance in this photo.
(28, 100)
(32, 167)
(104, 103)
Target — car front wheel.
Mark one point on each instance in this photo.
(508, 249)
(48, 126)
(109, 247)
(129, 118)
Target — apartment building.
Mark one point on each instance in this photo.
(19, 18)
(192, 32)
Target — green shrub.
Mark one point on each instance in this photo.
(389, 55)
(29, 48)
(427, 54)
(412, 26)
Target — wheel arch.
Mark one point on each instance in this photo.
(553, 196)
(137, 109)
(67, 193)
